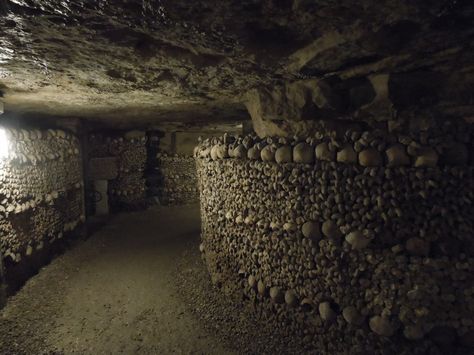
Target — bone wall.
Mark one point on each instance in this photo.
(128, 188)
(361, 243)
(41, 193)
(177, 182)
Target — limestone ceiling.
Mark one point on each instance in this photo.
(148, 61)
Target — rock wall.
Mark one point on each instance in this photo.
(359, 243)
(127, 189)
(41, 190)
(177, 184)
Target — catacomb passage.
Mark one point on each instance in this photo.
(237, 177)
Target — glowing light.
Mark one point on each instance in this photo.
(4, 144)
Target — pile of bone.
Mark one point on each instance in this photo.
(40, 189)
(129, 186)
(44, 227)
(104, 145)
(25, 186)
(133, 158)
(178, 180)
(341, 250)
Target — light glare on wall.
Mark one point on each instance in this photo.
(4, 144)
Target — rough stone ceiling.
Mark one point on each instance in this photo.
(143, 61)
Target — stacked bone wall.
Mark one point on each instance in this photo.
(358, 244)
(41, 190)
(178, 180)
(128, 188)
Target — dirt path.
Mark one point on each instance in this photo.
(114, 293)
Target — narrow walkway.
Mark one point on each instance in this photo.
(114, 293)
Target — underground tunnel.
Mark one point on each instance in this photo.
(237, 177)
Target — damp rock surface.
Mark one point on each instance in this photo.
(128, 62)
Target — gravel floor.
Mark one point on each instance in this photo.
(114, 293)
(137, 286)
